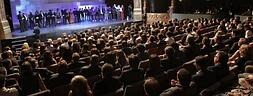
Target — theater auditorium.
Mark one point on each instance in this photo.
(126, 47)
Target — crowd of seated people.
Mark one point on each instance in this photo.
(106, 62)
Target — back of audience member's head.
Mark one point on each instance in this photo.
(5, 55)
(3, 74)
(154, 61)
(76, 47)
(235, 32)
(111, 57)
(48, 55)
(152, 87)
(79, 86)
(6, 63)
(218, 39)
(34, 63)
(242, 41)
(94, 59)
(26, 69)
(141, 48)
(221, 57)
(62, 66)
(25, 46)
(184, 77)
(175, 46)
(24, 53)
(201, 62)
(133, 61)
(107, 71)
(6, 48)
(190, 40)
(135, 50)
(75, 56)
(169, 51)
(94, 51)
(206, 41)
(124, 44)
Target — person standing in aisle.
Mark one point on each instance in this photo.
(36, 31)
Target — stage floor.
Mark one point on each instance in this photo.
(69, 28)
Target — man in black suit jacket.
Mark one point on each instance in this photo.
(191, 50)
(182, 87)
(169, 61)
(63, 77)
(203, 78)
(133, 74)
(93, 69)
(220, 68)
(108, 83)
(75, 65)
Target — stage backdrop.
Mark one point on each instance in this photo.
(27, 6)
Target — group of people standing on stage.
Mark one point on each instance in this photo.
(52, 17)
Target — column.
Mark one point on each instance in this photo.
(137, 9)
(5, 31)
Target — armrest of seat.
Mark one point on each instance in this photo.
(41, 93)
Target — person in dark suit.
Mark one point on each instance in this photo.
(206, 48)
(218, 43)
(49, 18)
(108, 83)
(31, 20)
(75, 63)
(203, 78)
(75, 12)
(133, 74)
(182, 85)
(154, 67)
(220, 68)
(169, 61)
(21, 19)
(37, 18)
(142, 54)
(36, 31)
(235, 37)
(237, 45)
(191, 50)
(63, 77)
(93, 69)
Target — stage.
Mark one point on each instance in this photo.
(70, 28)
